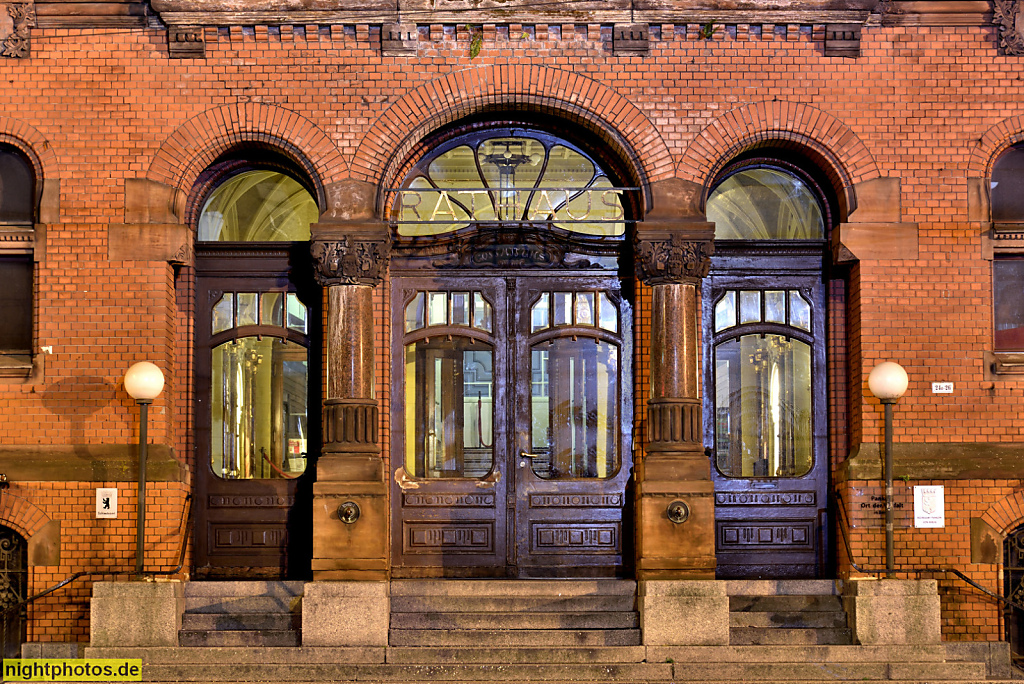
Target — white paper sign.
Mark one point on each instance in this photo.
(106, 502)
(929, 506)
(942, 388)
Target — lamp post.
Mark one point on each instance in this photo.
(144, 382)
(888, 382)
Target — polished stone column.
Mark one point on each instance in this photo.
(675, 516)
(350, 495)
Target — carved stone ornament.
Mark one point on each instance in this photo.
(350, 262)
(16, 19)
(1008, 15)
(672, 260)
(510, 249)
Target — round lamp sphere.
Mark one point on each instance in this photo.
(144, 380)
(888, 380)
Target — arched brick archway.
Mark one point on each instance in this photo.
(992, 144)
(502, 88)
(21, 515)
(1006, 514)
(842, 156)
(33, 144)
(204, 137)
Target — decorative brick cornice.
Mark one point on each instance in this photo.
(15, 25)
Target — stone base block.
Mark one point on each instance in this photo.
(676, 550)
(356, 548)
(136, 613)
(684, 612)
(893, 611)
(346, 614)
(52, 649)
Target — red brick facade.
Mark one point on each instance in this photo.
(92, 108)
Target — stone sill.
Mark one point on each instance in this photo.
(89, 463)
(939, 461)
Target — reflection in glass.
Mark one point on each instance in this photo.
(258, 206)
(574, 408)
(449, 408)
(224, 313)
(563, 308)
(296, 313)
(460, 308)
(437, 308)
(775, 306)
(609, 314)
(272, 309)
(763, 407)
(725, 311)
(765, 204)
(1007, 303)
(247, 314)
(540, 312)
(258, 409)
(584, 308)
(482, 316)
(414, 318)
(750, 306)
(799, 311)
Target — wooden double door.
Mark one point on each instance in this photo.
(511, 421)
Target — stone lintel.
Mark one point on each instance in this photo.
(874, 241)
(168, 242)
(939, 461)
(89, 463)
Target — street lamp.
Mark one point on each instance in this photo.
(144, 382)
(888, 382)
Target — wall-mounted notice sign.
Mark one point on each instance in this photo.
(106, 502)
(942, 388)
(929, 506)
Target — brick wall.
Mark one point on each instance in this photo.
(931, 106)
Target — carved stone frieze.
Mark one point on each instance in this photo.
(351, 261)
(511, 249)
(672, 259)
(1008, 15)
(16, 21)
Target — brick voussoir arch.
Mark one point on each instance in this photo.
(199, 141)
(1006, 514)
(992, 144)
(508, 87)
(21, 515)
(35, 146)
(750, 125)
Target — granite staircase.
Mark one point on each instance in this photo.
(786, 612)
(545, 631)
(241, 614)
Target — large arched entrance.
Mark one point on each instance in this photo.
(511, 353)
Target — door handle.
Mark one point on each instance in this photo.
(524, 454)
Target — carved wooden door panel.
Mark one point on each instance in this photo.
(571, 449)
(511, 411)
(449, 427)
(765, 422)
(254, 418)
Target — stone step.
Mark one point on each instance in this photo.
(515, 637)
(513, 588)
(251, 621)
(240, 637)
(324, 672)
(787, 637)
(280, 589)
(497, 620)
(782, 587)
(771, 604)
(791, 672)
(459, 655)
(165, 655)
(242, 604)
(841, 653)
(512, 604)
(811, 619)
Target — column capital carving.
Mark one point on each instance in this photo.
(673, 254)
(350, 253)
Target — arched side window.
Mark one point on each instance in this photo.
(17, 216)
(1007, 196)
